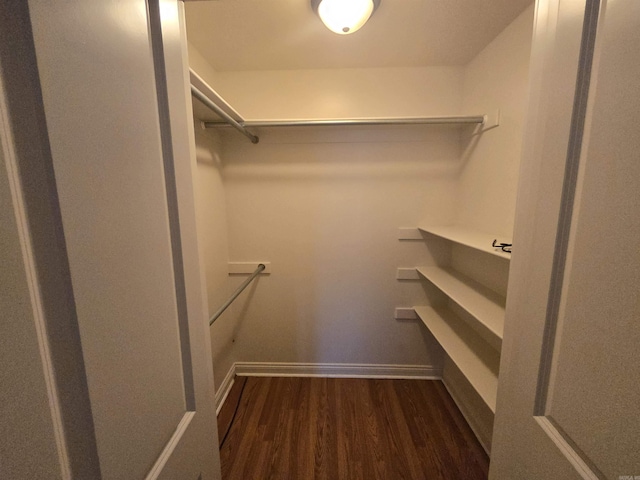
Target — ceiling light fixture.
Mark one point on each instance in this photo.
(344, 16)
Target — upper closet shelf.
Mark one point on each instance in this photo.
(225, 115)
(469, 237)
(445, 120)
(211, 101)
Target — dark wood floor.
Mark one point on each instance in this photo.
(335, 429)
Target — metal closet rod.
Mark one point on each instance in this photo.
(235, 294)
(470, 119)
(227, 118)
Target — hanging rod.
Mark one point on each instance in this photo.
(472, 119)
(227, 118)
(235, 294)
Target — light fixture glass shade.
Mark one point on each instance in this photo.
(345, 16)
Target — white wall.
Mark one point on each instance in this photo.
(496, 78)
(486, 189)
(324, 208)
(213, 236)
(343, 93)
(198, 63)
(324, 205)
(211, 214)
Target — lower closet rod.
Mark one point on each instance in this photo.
(235, 294)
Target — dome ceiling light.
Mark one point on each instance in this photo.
(344, 16)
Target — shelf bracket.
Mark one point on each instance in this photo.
(491, 121)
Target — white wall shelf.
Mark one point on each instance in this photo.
(363, 122)
(476, 359)
(470, 238)
(204, 113)
(484, 305)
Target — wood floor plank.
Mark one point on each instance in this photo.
(400, 433)
(446, 434)
(334, 429)
(301, 458)
(239, 444)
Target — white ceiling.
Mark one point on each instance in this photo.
(286, 34)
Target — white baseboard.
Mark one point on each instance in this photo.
(225, 388)
(336, 370)
(328, 370)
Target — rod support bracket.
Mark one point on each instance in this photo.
(491, 120)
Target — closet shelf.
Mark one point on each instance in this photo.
(210, 101)
(485, 306)
(469, 237)
(441, 120)
(477, 361)
(226, 116)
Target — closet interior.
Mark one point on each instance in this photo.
(379, 196)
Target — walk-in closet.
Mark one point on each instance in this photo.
(375, 173)
(242, 240)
